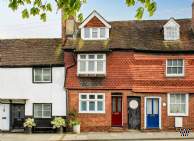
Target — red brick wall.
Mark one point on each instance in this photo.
(102, 122)
(94, 22)
(140, 72)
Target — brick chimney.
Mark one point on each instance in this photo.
(69, 27)
(192, 24)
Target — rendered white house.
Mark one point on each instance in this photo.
(31, 82)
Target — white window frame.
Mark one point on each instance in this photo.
(98, 33)
(175, 75)
(42, 110)
(186, 104)
(95, 72)
(94, 100)
(42, 75)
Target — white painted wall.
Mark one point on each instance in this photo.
(16, 83)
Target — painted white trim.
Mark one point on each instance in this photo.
(175, 75)
(95, 60)
(171, 24)
(178, 114)
(87, 100)
(145, 111)
(94, 14)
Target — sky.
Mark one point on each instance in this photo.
(13, 26)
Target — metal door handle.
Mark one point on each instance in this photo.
(4, 118)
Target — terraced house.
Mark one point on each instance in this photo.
(130, 74)
(31, 83)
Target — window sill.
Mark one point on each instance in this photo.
(92, 112)
(91, 75)
(42, 82)
(177, 115)
(174, 76)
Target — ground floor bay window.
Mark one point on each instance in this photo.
(178, 104)
(42, 110)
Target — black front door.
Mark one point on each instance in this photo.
(134, 116)
(17, 115)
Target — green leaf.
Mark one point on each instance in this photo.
(43, 17)
(25, 14)
(80, 17)
(130, 2)
(34, 11)
(139, 13)
(48, 7)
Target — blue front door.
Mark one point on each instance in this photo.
(152, 112)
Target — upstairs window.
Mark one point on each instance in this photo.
(91, 64)
(95, 33)
(171, 30)
(175, 67)
(42, 75)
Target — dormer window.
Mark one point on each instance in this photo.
(95, 33)
(171, 30)
(95, 27)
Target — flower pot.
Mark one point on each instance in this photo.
(29, 130)
(76, 129)
(60, 130)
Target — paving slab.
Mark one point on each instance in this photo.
(96, 136)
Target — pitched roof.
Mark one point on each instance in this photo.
(30, 52)
(138, 35)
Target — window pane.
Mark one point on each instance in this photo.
(91, 56)
(178, 98)
(172, 98)
(91, 66)
(169, 70)
(46, 74)
(183, 108)
(180, 70)
(169, 62)
(175, 63)
(114, 104)
(38, 74)
(37, 110)
(183, 98)
(82, 66)
(99, 66)
(47, 114)
(156, 106)
(100, 96)
(119, 105)
(100, 106)
(91, 96)
(174, 70)
(87, 33)
(94, 32)
(82, 56)
(99, 56)
(46, 107)
(149, 106)
(83, 96)
(102, 32)
(83, 106)
(180, 63)
(91, 106)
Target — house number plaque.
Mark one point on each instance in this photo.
(133, 104)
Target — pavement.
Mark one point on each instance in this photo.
(99, 136)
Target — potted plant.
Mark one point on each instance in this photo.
(29, 124)
(74, 122)
(58, 123)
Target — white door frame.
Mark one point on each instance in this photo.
(145, 111)
(7, 116)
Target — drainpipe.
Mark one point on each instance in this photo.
(66, 72)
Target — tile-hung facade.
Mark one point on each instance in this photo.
(31, 82)
(131, 74)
